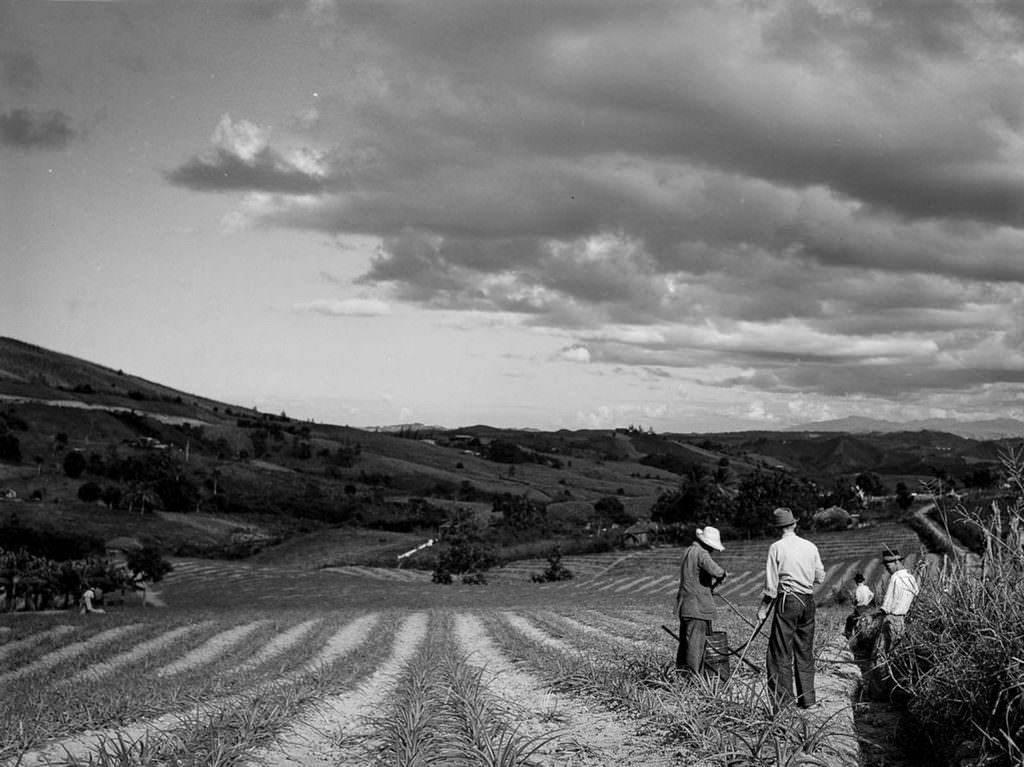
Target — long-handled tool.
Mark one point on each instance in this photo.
(753, 634)
(734, 608)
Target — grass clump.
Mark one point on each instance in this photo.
(959, 670)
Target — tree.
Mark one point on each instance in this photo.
(698, 500)
(464, 552)
(147, 564)
(10, 448)
(90, 492)
(519, 512)
(870, 483)
(761, 492)
(904, 498)
(612, 512)
(111, 496)
(74, 464)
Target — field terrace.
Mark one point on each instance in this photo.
(260, 665)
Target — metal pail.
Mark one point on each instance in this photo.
(716, 654)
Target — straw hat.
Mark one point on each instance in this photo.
(782, 517)
(710, 537)
(890, 556)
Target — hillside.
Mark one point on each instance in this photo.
(146, 447)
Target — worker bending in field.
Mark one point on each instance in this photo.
(791, 572)
(695, 604)
(863, 599)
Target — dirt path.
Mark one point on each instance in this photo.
(350, 636)
(149, 647)
(71, 651)
(82, 745)
(336, 733)
(210, 649)
(280, 643)
(20, 644)
(584, 734)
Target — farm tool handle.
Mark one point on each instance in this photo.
(757, 628)
(734, 608)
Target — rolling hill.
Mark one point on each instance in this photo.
(278, 479)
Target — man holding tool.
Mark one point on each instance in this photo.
(791, 572)
(695, 606)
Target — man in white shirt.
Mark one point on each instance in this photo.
(863, 598)
(791, 572)
(899, 596)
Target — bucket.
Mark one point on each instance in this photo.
(716, 655)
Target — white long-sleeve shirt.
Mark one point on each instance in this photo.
(794, 565)
(900, 593)
(862, 595)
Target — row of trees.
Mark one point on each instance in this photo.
(713, 497)
(40, 569)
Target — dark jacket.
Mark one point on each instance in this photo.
(697, 573)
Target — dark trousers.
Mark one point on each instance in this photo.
(791, 650)
(851, 619)
(692, 634)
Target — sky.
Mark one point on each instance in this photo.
(699, 216)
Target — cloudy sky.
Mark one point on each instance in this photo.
(695, 216)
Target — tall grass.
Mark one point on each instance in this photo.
(959, 670)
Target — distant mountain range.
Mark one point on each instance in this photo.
(994, 428)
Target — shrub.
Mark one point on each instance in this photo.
(74, 464)
(958, 669)
(10, 448)
(555, 571)
(89, 492)
(148, 563)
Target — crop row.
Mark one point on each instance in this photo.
(568, 686)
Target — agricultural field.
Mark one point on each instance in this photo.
(241, 664)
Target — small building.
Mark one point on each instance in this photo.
(639, 534)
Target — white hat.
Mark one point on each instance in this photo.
(709, 535)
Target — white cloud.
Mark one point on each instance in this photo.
(575, 353)
(241, 138)
(347, 307)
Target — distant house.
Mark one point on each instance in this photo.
(639, 533)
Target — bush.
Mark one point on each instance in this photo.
(10, 448)
(89, 492)
(74, 464)
(958, 669)
(555, 571)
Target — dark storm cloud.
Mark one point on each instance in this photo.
(31, 130)
(223, 171)
(241, 158)
(883, 380)
(818, 190)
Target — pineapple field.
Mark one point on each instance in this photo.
(249, 665)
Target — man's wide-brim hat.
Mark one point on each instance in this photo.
(710, 537)
(891, 556)
(782, 517)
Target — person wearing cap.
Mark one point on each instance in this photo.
(863, 598)
(791, 572)
(899, 596)
(695, 604)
